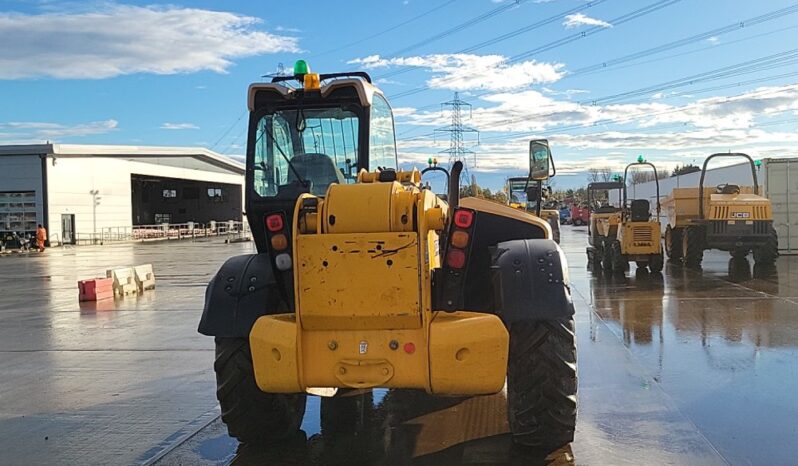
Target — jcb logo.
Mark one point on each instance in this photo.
(740, 214)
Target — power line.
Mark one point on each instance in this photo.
(471, 22)
(385, 31)
(565, 40)
(508, 35)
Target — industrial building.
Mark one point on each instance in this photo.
(83, 190)
(778, 181)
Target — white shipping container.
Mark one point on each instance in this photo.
(781, 187)
(778, 180)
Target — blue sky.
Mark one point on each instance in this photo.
(148, 73)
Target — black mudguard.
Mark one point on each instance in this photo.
(244, 289)
(530, 281)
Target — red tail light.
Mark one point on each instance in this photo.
(456, 258)
(274, 222)
(463, 218)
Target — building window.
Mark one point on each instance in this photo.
(215, 194)
(163, 218)
(169, 193)
(190, 193)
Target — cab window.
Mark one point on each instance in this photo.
(382, 142)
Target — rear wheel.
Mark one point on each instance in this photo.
(619, 262)
(693, 246)
(541, 383)
(767, 253)
(656, 262)
(606, 257)
(673, 243)
(739, 253)
(251, 415)
(578, 222)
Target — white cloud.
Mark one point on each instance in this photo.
(713, 40)
(125, 39)
(31, 132)
(462, 71)
(179, 126)
(578, 19)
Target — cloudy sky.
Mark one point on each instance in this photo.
(603, 80)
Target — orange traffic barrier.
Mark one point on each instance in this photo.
(95, 289)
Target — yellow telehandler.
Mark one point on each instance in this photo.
(729, 217)
(365, 279)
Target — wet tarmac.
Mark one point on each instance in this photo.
(683, 367)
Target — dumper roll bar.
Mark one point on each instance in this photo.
(656, 181)
(704, 172)
(600, 186)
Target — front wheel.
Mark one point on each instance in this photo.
(541, 383)
(619, 262)
(768, 252)
(251, 415)
(673, 243)
(693, 247)
(656, 262)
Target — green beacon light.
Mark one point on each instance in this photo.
(640, 159)
(301, 68)
(429, 161)
(758, 163)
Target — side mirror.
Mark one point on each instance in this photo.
(539, 157)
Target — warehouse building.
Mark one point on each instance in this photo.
(76, 190)
(778, 181)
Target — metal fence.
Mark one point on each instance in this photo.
(232, 231)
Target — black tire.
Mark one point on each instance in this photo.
(739, 253)
(619, 262)
(693, 247)
(767, 253)
(251, 415)
(656, 262)
(578, 222)
(673, 243)
(541, 383)
(606, 257)
(594, 257)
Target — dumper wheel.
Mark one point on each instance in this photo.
(673, 243)
(606, 257)
(251, 415)
(656, 262)
(693, 247)
(619, 262)
(767, 253)
(541, 383)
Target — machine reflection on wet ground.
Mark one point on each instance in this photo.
(682, 367)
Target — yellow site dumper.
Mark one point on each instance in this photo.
(638, 235)
(603, 226)
(727, 217)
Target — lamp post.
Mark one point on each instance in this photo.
(95, 201)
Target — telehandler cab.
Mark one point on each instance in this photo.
(637, 234)
(364, 279)
(603, 224)
(729, 217)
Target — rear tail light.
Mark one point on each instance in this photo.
(463, 218)
(459, 239)
(456, 258)
(283, 262)
(279, 242)
(274, 222)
